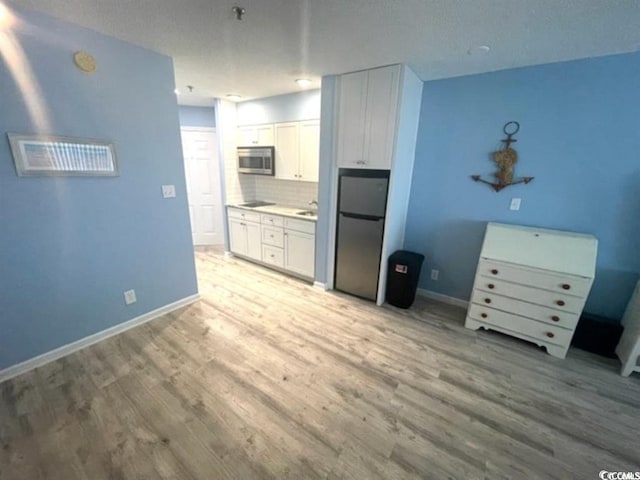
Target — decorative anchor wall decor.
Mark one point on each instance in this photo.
(505, 159)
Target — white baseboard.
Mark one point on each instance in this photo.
(63, 351)
(321, 285)
(440, 297)
(228, 254)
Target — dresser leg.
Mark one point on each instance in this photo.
(472, 324)
(555, 351)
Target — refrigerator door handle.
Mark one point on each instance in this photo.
(362, 217)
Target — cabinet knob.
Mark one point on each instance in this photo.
(243, 224)
(555, 318)
(272, 255)
(487, 300)
(494, 271)
(271, 236)
(550, 334)
(483, 315)
(566, 286)
(560, 302)
(491, 286)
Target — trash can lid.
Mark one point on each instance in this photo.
(405, 256)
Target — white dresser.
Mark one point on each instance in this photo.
(532, 283)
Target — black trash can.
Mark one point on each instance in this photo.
(402, 278)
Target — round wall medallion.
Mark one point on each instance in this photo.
(84, 61)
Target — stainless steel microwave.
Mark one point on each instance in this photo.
(256, 160)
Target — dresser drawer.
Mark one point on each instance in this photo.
(273, 256)
(304, 226)
(243, 214)
(567, 284)
(521, 325)
(273, 236)
(273, 220)
(526, 309)
(556, 301)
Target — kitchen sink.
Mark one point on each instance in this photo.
(307, 213)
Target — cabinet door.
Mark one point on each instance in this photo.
(247, 136)
(255, 136)
(238, 236)
(309, 150)
(264, 135)
(254, 240)
(382, 99)
(299, 253)
(351, 119)
(287, 150)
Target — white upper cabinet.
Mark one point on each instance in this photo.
(256, 136)
(287, 148)
(297, 146)
(309, 151)
(367, 117)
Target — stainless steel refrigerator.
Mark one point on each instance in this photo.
(362, 201)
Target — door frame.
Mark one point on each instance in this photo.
(220, 167)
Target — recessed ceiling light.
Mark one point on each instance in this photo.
(478, 50)
(233, 97)
(303, 82)
(176, 91)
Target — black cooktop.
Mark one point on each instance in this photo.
(256, 204)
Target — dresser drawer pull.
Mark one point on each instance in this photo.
(560, 303)
(550, 335)
(494, 271)
(566, 286)
(487, 300)
(483, 315)
(491, 286)
(555, 318)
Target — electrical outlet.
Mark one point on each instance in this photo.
(434, 274)
(515, 204)
(130, 297)
(168, 191)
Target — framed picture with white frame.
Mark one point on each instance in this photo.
(53, 155)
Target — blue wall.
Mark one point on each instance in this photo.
(579, 137)
(291, 107)
(71, 246)
(197, 116)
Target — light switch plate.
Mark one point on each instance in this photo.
(515, 204)
(130, 297)
(168, 191)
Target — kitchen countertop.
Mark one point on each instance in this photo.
(278, 209)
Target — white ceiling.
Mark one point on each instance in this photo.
(281, 40)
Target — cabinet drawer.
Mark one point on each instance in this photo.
(300, 225)
(273, 255)
(525, 309)
(556, 301)
(521, 325)
(567, 284)
(243, 214)
(273, 236)
(273, 220)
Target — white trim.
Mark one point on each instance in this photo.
(440, 297)
(320, 285)
(63, 351)
(228, 254)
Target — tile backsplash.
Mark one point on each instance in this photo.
(247, 188)
(286, 192)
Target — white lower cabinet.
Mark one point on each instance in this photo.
(244, 238)
(299, 252)
(276, 241)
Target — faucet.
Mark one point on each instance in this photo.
(313, 202)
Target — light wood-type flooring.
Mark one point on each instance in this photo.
(267, 377)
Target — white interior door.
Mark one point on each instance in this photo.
(203, 185)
